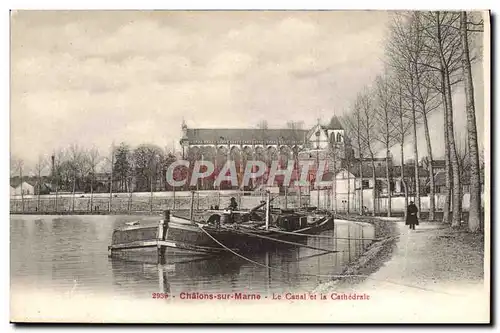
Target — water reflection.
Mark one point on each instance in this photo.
(69, 253)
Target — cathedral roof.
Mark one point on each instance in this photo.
(245, 135)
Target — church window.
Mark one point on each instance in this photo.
(339, 137)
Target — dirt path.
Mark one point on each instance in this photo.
(433, 275)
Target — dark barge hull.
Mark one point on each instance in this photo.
(183, 240)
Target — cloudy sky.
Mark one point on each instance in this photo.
(94, 77)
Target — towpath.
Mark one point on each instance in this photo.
(434, 274)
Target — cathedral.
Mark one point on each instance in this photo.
(285, 145)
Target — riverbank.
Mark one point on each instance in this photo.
(420, 269)
(375, 255)
(433, 249)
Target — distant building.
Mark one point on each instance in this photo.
(44, 188)
(440, 182)
(286, 145)
(437, 165)
(25, 188)
(351, 180)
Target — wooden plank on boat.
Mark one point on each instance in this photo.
(185, 246)
(134, 245)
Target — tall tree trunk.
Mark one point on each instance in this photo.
(448, 179)
(361, 207)
(348, 185)
(129, 188)
(334, 184)
(22, 194)
(475, 180)
(403, 183)
(110, 206)
(457, 202)
(38, 196)
(388, 179)
(92, 193)
(57, 194)
(402, 129)
(374, 192)
(432, 195)
(73, 196)
(415, 156)
(151, 187)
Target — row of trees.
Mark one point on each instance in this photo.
(428, 56)
(76, 169)
(127, 168)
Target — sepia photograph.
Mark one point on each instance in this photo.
(250, 166)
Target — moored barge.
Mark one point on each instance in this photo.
(218, 232)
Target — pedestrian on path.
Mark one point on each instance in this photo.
(411, 216)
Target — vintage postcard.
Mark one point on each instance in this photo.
(250, 166)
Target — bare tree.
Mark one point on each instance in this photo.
(443, 42)
(295, 125)
(385, 127)
(348, 158)
(352, 123)
(113, 152)
(368, 135)
(464, 163)
(147, 162)
(59, 160)
(18, 164)
(76, 161)
(262, 124)
(428, 100)
(403, 50)
(130, 178)
(92, 159)
(402, 127)
(475, 183)
(40, 166)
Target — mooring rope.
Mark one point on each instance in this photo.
(324, 236)
(323, 275)
(283, 241)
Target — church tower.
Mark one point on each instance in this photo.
(184, 138)
(336, 136)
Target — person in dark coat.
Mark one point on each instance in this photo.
(411, 215)
(233, 205)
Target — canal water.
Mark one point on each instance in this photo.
(61, 254)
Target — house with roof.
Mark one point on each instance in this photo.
(440, 182)
(351, 179)
(349, 185)
(437, 165)
(25, 188)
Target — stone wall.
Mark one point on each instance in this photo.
(143, 203)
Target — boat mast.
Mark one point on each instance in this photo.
(191, 211)
(267, 210)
